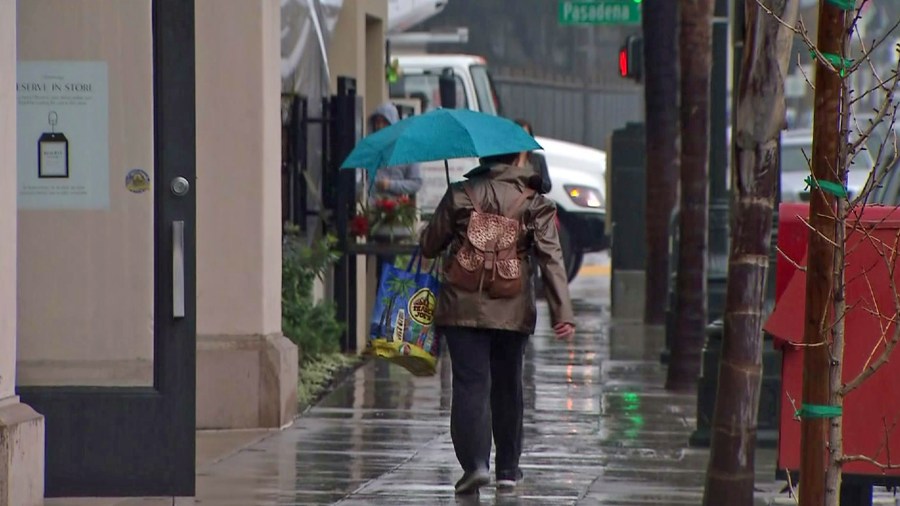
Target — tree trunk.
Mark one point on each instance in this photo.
(695, 43)
(760, 118)
(660, 26)
(826, 151)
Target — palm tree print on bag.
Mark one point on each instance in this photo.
(398, 286)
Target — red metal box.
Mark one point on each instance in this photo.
(871, 412)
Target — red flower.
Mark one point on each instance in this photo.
(387, 205)
(359, 226)
(403, 200)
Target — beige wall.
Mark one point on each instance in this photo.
(246, 370)
(375, 89)
(238, 167)
(357, 49)
(85, 287)
(7, 198)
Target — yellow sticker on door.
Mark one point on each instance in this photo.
(137, 181)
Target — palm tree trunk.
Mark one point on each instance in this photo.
(760, 117)
(383, 324)
(660, 26)
(695, 42)
(389, 313)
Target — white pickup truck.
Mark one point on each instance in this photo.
(577, 172)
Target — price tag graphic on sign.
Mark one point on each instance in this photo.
(53, 152)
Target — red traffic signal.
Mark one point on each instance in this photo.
(631, 58)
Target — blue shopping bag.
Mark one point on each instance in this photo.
(402, 326)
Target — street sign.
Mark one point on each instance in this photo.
(600, 12)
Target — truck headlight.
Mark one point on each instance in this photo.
(585, 196)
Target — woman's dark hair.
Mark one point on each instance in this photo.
(526, 125)
(536, 183)
(505, 158)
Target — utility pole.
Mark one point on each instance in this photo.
(827, 136)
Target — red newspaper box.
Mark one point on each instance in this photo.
(871, 412)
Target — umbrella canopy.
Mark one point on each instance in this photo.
(439, 135)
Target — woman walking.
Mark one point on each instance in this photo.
(490, 227)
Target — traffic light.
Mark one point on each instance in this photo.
(631, 58)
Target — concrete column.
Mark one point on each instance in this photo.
(21, 428)
(7, 198)
(357, 49)
(246, 368)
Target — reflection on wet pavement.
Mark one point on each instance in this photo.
(600, 430)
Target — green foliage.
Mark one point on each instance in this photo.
(311, 325)
(401, 261)
(319, 374)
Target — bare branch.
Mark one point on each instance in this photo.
(790, 260)
(877, 311)
(805, 75)
(808, 345)
(885, 105)
(809, 226)
(880, 85)
(793, 404)
(875, 45)
(870, 460)
(889, 347)
(776, 17)
(792, 491)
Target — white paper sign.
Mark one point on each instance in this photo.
(63, 135)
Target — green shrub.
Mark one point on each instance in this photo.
(312, 326)
(319, 374)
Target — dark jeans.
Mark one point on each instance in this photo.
(487, 396)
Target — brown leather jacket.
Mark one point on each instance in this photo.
(445, 232)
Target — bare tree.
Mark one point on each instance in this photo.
(660, 27)
(760, 116)
(695, 45)
(839, 229)
(826, 167)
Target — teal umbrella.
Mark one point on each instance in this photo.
(441, 134)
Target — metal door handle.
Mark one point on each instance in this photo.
(178, 269)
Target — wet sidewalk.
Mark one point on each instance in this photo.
(600, 430)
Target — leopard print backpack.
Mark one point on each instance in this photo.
(488, 260)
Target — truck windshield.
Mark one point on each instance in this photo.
(425, 88)
(484, 90)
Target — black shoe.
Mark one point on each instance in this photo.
(509, 479)
(472, 481)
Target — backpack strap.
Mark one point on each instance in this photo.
(468, 189)
(517, 204)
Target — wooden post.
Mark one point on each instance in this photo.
(827, 137)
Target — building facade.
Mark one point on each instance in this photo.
(140, 233)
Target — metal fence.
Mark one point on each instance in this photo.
(571, 112)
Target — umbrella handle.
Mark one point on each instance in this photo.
(447, 172)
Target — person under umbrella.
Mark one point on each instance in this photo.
(391, 182)
(398, 180)
(487, 323)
